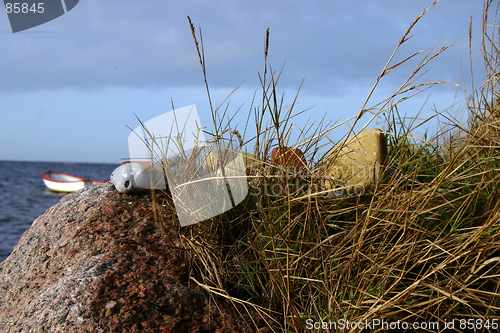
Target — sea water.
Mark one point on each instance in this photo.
(24, 197)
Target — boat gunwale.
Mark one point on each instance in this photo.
(77, 179)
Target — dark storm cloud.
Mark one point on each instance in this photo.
(336, 45)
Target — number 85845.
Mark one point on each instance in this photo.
(24, 8)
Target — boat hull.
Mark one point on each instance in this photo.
(65, 183)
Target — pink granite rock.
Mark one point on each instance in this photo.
(98, 262)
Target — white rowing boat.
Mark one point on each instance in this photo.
(62, 182)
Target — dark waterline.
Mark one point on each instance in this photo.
(24, 197)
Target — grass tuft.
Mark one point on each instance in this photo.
(421, 246)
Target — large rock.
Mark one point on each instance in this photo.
(359, 161)
(98, 262)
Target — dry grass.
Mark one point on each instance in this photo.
(423, 246)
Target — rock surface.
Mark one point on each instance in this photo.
(98, 262)
(288, 157)
(360, 161)
(216, 157)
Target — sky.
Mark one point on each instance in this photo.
(71, 89)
